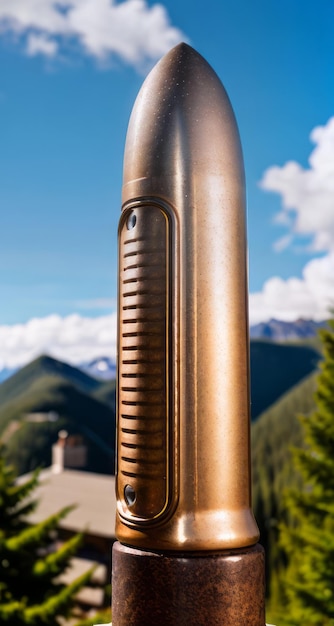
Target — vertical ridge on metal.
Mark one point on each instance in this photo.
(146, 481)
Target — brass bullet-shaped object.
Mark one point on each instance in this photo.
(183, 457)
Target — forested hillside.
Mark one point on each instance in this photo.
(47, 396)
(273, 435)
(275, 368)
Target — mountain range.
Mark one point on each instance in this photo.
(104, 367)
(6, 373)
(79, 403)
(278, 330)
(64, 398)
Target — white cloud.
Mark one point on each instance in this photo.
(308, 194)
(74, 339)
(307, 212)
(40, 44)
(131, 30)
(282, 243)
(310, 297)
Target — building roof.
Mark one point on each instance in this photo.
(93, 495)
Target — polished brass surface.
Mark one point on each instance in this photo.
(185, 484)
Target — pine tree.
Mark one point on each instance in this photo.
(29, 564)
(308, 538)
(102, 617)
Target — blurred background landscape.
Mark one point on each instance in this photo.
(70, 72)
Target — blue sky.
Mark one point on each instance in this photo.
(69, 74)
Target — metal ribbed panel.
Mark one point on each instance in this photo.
(143, 405)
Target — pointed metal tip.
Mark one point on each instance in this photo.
(180, 122)
(181, 55)
(182, 47)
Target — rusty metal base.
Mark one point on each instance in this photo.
(218, 589)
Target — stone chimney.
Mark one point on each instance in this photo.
(68, 453)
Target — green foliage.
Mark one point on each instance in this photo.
(100, 618)
(30, 566)
(273, 434)
(30, 445)
(106, 393)
(308, 534)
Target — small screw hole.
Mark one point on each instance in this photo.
(129, 495)
(131, 221)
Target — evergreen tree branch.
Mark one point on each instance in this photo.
(56, 562)
(35, 534)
